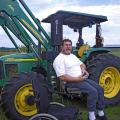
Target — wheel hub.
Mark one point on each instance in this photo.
(24, 102)
(30, 100)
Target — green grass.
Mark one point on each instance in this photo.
(113, 113)
(2, 116)
(117, 53)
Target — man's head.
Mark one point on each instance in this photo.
(66, 46)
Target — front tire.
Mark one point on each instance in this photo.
(105, 70)
(17, 97)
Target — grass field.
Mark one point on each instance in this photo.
(117, 53)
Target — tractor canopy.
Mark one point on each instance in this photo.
(75, 19)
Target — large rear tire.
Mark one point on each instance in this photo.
(105, 70)
(17, 97)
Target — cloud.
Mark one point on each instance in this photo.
(5, 41)
(1, 31)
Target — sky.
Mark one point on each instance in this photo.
(110, 8)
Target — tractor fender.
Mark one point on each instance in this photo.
(93, 52)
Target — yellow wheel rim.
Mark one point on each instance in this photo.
(20, 101)
(110, 81)
(83, 49)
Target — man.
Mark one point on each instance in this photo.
(71, 70)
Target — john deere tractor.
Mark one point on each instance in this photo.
(16, 70)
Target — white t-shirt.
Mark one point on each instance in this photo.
(67, 64)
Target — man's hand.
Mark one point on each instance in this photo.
(85, 74)
(81, 78)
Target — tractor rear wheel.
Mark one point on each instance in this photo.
(105, 70)
(17, 97)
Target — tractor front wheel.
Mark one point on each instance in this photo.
(105, 70)
(17, 97)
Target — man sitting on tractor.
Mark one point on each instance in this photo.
(73, 72)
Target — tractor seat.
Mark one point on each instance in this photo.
(46, 110)
(83, 49)
(63, 88)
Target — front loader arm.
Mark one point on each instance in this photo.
(14, 26)
(17, 22)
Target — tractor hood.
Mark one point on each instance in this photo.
(19, 57)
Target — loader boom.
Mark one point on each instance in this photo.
(14, 19)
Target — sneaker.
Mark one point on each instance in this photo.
(101, 117)
(95, 119)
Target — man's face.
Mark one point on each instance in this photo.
(67, 48)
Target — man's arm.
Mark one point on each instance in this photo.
(69, 78)
(83, 66)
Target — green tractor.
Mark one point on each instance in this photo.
(17, 99)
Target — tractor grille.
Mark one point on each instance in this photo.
(11, 69)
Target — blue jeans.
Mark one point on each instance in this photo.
(95, 98)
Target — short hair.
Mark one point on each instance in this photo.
(66, 40)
